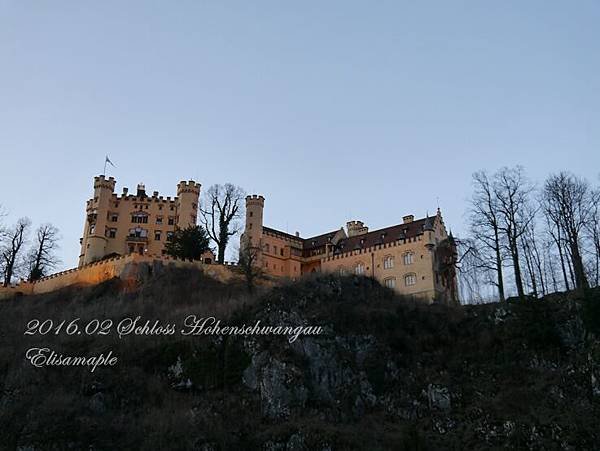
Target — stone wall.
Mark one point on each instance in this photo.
(100, 271)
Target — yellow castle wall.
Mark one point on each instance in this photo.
(373, 261)
(280, 256)
(103, 270)
(114, 213)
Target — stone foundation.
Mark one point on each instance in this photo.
(100, 271)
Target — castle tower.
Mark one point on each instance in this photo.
(188, 194)
(94, 239)
(254, 218)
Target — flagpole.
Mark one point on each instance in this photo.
(104, 173)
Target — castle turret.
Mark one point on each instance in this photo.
(356, 228)
(93, 243)
(254, 219)
(188, 194)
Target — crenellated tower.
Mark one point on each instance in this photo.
(252, 235)
(188, 195)
(93, 243)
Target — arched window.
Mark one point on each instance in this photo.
(388, 262)
(266, 247)
(410, 279)
(359, 269)
(342, 271)
(409, 258)
(390, 282)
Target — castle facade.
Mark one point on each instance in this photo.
(416, 257)
(134, 223)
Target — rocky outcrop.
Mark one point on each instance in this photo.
(386, 373)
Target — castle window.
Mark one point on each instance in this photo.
(266, 247)
(157, 235)
(409, 258)
(171, 220)
(160, 207)
(139, 218)
(169, 236)
(388, 262)
(390, 282)
(114, 218)
(159, 219)
(275, 249)
(342, 271)
(251, 214)
(359, 269)
(172, 208)
(112, 233)
(250, 226)
(410, 279)
(92, 229)
(281, 252)
(194, 206)
(138, 232)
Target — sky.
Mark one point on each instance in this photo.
(332, 110)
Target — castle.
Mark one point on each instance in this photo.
(138, 223)
(414, 258)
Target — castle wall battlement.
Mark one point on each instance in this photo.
(103, 270)
(370, 249)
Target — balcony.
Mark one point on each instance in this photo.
(136, 239)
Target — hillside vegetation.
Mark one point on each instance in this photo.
(386, 373)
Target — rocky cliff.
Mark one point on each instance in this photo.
(386, 372)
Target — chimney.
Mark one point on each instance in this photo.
(408, 218)
(298, 234)
(141, 190)
(356, 228)
(125, 191)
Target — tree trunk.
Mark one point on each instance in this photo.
(563, 266)
(499, 266)
(517, 267)
(580, 278)
(528, 262)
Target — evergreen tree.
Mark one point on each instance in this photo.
(188, 243)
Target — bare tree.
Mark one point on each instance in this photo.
(568, 204)
(249, 264)
(553, 230)
(14, 240)
(485, 231)
(42, 256)
(593, 233)
(512, 191)
(549, 266)
(533, 260)
(222, 207)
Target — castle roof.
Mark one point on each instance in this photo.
(282, 234)
(319, 240)
(365, 240)
(385, 235)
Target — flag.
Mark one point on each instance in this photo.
(110, 162)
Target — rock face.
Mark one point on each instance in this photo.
(386, 373)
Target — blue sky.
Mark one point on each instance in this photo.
(331, 110)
